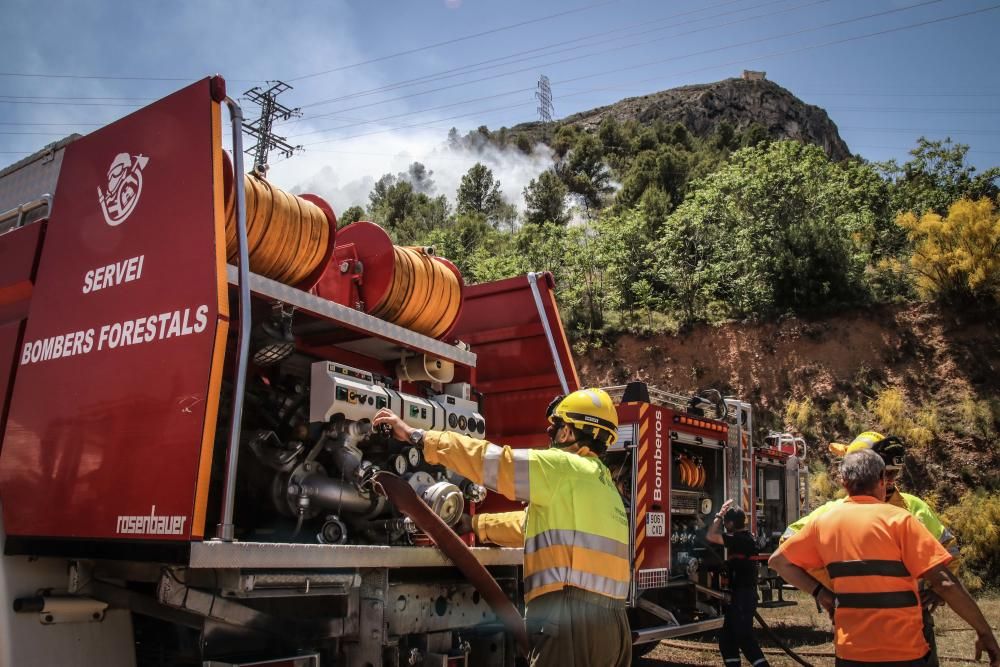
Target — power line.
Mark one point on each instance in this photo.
(612, 71)
(777, 54)
(114, 77)
(742, 60)
(906, 130)
(910, 94)
(71, 104)
(910, 148)
(915, 110)
(69, 97)
(613, 50)
(50, 124)
(452, 41)
(474, 67)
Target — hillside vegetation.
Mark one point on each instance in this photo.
(723, 235)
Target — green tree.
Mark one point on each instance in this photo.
(461, 240)
(584, 172)
(479, 193)
(623, 250)
(545, 199)
(937, 176)
(778, 228)
(403, 212)
(665, 169)
(352, 214)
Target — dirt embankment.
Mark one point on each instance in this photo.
(943, 362)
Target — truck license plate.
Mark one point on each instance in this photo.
(656, 524)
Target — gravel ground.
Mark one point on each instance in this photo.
(809, 633)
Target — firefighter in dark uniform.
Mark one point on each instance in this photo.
(737, 629)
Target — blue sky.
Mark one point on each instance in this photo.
(102, 59)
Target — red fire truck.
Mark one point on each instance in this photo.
(188, 473)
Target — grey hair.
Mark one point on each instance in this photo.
(861, 472)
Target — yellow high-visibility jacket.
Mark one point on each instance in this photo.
(575, 528)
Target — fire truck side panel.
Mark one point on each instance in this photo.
(108, 413)
(516, 371)
(18, 263)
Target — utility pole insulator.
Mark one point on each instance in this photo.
(260, 129)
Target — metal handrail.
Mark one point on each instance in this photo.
(662, 398)
(225, 528)
(533, 282)
(20, 211)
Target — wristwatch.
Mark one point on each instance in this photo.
(417, 437)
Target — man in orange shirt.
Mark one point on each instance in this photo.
(874, 553)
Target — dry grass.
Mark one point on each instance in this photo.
(809, 633)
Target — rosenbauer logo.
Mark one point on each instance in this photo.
(124, 188)
(151, 524)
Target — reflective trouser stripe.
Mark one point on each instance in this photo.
(890, 600)
(867, 568)
(522, 475)
(585, 580)
(575, 538)
(491, 466)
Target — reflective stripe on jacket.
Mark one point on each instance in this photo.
(576, 529)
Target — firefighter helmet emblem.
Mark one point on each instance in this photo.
(124, 188)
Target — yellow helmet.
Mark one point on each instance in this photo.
(590, 411)
(891, 448)
(863, 441)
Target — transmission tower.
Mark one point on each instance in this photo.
(260, 129)
(544, 97)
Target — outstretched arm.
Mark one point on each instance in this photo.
(951, 590)
(507, 471)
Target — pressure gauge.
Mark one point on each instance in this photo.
(413, 456)
(399, 464)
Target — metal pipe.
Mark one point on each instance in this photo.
(656, 633)
(225, 527)
(533, 282)
(334, 494)
(19, 211)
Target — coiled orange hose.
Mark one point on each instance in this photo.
(287, 236)
(425, 295)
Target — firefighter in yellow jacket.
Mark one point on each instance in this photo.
(893, 451)
(575, 531)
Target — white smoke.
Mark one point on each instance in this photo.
(344, 172)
